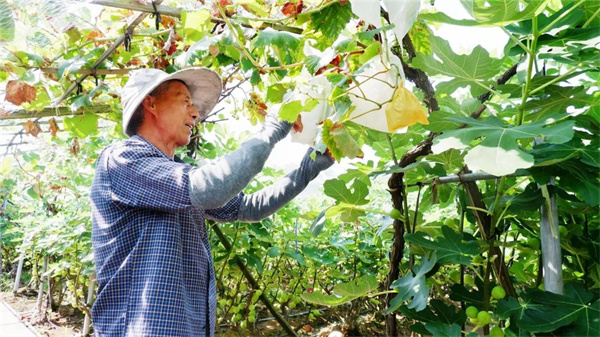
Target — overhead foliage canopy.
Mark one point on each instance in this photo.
(284, 47)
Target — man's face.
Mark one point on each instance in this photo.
(176, 114)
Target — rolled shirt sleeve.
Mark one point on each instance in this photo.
(259, 205)
(214, 185)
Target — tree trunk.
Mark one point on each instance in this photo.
(396, 187)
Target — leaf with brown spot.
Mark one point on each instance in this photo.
(53, 127)
(32, 128)
(329, 128)
(320, 71)
(289, 9)
(172, 49)
(214, 50)
(18, 92)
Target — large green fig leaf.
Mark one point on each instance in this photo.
(476, 69)
(344, 292)
(498, 153)
(450, 248)
(577, 311)
(414, 287)
(504, 11)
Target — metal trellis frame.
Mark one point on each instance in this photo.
(125, 36)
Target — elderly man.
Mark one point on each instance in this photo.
(153, 262)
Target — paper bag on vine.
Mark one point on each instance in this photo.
(380, 100)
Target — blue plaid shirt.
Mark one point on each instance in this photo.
(153, 261)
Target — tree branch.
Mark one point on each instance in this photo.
(424, 147)
(484, 222)
(418, 76)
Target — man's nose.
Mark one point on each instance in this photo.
(194, 112)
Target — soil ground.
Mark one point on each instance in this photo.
(66, 322)
(69, 321)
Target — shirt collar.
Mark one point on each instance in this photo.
(175, 158)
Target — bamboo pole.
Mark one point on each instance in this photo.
(41, 286)
(2, 210)
(176, 13)
(19, 271)
(90, 297)
(54, 71)
(136, 6)
(54, 112)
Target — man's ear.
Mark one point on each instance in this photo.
(149, 103)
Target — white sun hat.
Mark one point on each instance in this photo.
(204, 85)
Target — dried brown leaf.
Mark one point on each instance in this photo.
(94, 34)
(18, 92)
(168, 21)
(32, 128)
(75, 146)
(292, 9)
(53, 127)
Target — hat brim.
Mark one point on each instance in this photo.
(204, 84)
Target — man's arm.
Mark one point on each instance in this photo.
(227, 213)
(259, 205)
(212, 186)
